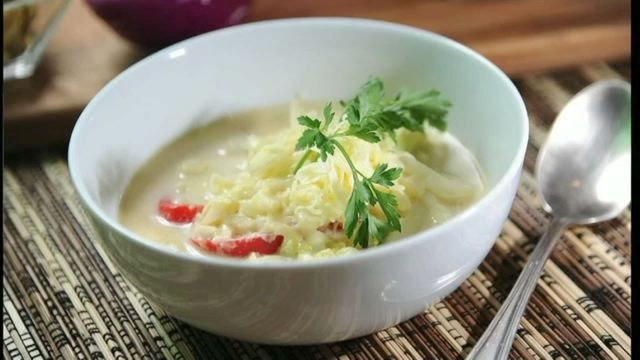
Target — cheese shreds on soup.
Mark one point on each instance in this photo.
(235, 179)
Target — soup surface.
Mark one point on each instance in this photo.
(234, 179)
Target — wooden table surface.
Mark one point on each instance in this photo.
(521, 37)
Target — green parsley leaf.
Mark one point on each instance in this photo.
(378, 229)
(389, 205)
(384, 176)
(328, 115)
(304, 120)
(307, 140)
(367, 132)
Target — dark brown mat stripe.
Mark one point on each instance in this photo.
(62, 298)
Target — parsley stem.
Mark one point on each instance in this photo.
(348, 159)
(303, 159)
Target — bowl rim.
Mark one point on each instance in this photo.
(361, 256)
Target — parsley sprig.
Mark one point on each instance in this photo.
(371, 117)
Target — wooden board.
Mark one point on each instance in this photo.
(521, 37)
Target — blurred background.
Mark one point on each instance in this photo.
(59, 53)
(63, 299)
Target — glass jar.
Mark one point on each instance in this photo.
(28, 27)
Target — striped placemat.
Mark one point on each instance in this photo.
(62, 298)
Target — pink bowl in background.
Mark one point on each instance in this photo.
(159, 23)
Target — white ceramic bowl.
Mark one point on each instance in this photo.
(252, 65)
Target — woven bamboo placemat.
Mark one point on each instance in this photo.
(62, 298)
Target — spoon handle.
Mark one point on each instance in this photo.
(496, 341)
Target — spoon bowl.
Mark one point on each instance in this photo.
(583, 169)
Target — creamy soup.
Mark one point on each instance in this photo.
(234, 179)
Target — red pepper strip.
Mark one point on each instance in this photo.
(261, 244)
(334, 226)
(178, 213)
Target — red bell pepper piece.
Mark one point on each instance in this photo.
(178, 213)
(243, 246)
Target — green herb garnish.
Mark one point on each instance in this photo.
(371, 117)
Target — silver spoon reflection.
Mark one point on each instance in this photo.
(584, 176)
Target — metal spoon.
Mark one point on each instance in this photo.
(584, 175)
